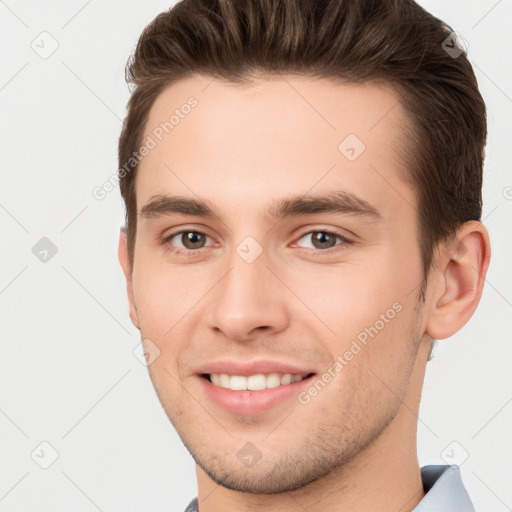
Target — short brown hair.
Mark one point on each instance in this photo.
(395, 42)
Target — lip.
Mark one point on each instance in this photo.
(250, 402)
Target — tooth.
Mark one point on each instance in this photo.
(256, 382)
(224, 380)
(253, 382)
(273, 380)
(238, 382)
(286, 378)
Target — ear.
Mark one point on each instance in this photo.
(461, 271)
(126, 265)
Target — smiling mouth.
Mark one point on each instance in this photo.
(255, 382)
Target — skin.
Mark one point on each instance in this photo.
(353, 446)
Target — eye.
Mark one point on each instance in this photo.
(186, 241)
(324, 239)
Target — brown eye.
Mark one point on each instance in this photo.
(193, 239)
(185, 241)
(322, 239)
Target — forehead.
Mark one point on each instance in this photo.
(279, 136)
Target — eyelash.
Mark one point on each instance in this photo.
(316, 252)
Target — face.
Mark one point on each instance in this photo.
(276, 235)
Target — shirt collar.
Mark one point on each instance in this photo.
(444, 489)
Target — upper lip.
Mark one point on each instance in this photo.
(253, 367)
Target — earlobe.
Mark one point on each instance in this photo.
(463, 267)
(126, 265)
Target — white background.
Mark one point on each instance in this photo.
(68, 374)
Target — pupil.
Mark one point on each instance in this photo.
(323, 239)
(190, 240)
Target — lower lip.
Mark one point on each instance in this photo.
(248, 401)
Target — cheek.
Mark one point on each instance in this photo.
(374, 368)
(365, 310)
(345, 298)
(164, 296)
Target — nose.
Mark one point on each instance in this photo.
(248, 300)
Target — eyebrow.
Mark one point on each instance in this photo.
(333, 202)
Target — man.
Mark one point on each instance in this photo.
(302, 184)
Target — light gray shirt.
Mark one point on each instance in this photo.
(443, 486)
